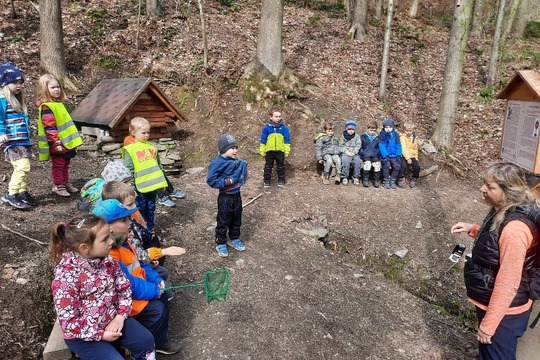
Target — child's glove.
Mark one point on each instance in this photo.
(263, 153)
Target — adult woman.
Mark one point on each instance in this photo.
(504, 249)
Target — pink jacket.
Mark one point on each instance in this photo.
(88, 294)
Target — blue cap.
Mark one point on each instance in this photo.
(111, 210)
(389, 122)
(350, 124)
(9, 73)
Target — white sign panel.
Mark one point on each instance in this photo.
(521, 133)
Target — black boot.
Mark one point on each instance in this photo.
(365, 181)
(376, 181)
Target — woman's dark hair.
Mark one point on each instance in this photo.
(68, 236)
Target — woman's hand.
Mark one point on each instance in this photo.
(161, 287)
(483, 337)
(173, 250)
(461, 227)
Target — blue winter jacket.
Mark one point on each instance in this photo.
(143, 289)
(389, 144)
(227, 174)
(369, 148)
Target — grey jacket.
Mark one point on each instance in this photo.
(326, 145)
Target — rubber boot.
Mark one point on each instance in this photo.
(365, 181)
(392, 183)
(376, 180)
(401, 183)
(386, 183)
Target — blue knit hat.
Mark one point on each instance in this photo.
(225, 142)
(389, 122)
(9, 73)
(350, 124)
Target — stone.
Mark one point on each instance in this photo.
(111, 147)
(428, 171)
(166, 161)
(418, 225)
(88, 148)
(162, 140)
(401, 253)
(161, 147)
(174, 156)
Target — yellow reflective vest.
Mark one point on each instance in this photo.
(67, 131)
(146, 170)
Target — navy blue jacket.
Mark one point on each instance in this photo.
(369, 148)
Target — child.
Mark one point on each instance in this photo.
(228, 173)
(163, 199)
(275, 145)
(150, 307)
(146, 243)
(349, 145)
(91, 191)
(370, 154)
(15, 136)
(410, 155)
(390, 149)
(57, 134)
(327, 152)
(92, 296)
(141, 158)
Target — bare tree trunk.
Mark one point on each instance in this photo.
(522, 16)
(492, 72)
(386, 51)
(358, 23)
(153, 7)
(378, 9)
(478, 11)
(269, 41)
(444, 130)
(413, 10)
(509, 19)
(52, 40)
(203, 30)
(13, 12)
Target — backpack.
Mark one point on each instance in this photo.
(318, 136)
(90, 194)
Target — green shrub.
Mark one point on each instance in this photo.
(532, 29)
(414, 59)
(18, 38)
(375, 23)
(487, 93)
(107, 62)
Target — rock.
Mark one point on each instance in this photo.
(21, 281)
(161, 147)
(288, 277)
(401, 253)
(429, 170)
(316, 234)
(88, 148)
(110, 147)
(195, 170)
(166, 161)
(418, 225)
(427, 147)
(174, 156)
(240, 263)
(95, 154)
(162, 140)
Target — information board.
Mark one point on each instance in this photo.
(521, 133)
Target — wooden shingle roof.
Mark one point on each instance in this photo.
(525, 85)
(108, 103)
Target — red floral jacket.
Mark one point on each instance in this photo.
(88, 294)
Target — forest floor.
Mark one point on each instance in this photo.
(291, 297)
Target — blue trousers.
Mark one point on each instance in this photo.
(229, 217)
(504, 342)
(391, 167)
(147, 206)
(346, 162)
(155, 317)
(135, 337)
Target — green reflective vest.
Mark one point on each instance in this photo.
(67, 131)
(146, 170)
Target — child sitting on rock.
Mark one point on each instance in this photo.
(409, 147)
(349, 145)
(327, 152)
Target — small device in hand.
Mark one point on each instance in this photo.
(457, 253)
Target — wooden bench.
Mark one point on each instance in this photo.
(56, 348)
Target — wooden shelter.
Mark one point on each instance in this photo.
(112, 104)
(521, 127)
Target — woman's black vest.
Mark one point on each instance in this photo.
(481, 270)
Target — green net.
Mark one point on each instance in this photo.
(216, 284)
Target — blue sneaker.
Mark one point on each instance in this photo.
(166, 201)
(222, 250)
(237, 245)
(177, 194)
